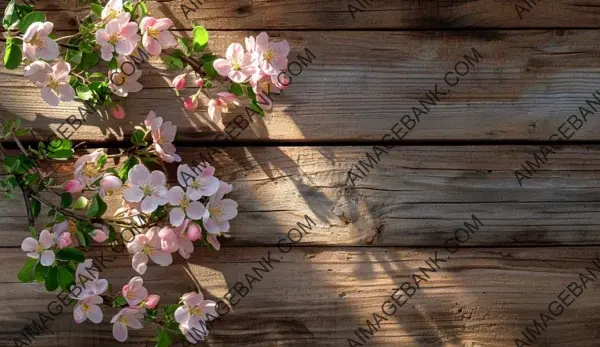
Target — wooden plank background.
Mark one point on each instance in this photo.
(370, 69)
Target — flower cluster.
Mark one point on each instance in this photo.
(122, 31)
(176, 219)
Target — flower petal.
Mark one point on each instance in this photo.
(162, 258)
(47, 258)
(175, 195)
(195, 210)
(49, 97)
(95, 314)
(149, 204)
(120, 331)
(222, 66)
(139, 262)
(176, 216)
(46, 239)
(182, 315)
(66, 92)
(158, 178)
(138, 174)
(133, 194)
(29, 244)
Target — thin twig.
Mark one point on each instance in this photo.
(30, 217)
(67, 37)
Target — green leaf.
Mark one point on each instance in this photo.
(236, 89)
(200, 39)
(51, 279)
(254, 106)
(86, 47)
(102, 161)
(172, 62)
(58, 144)
(61, 154)
(80, 203)
(10, 17)
(164, 340)
(82, 239)
(170, 311)
(208, 57)
(127, 165)
(73, 56)
(97, 208)
(27, 272)
(112, 64)
(12, 54)
(66, 199)
(41, 272)
(143, 9)
(84, 93)
(184, 43)
(98, 75)
(89, 60)
(36, 207)
(209, 69)
(30, 19)
(97, 9)
(120, 301)
(138, 138)
(65, 278)
(251, 94)
(34, 233)
(70, 254)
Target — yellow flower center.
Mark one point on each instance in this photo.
(86, 308)
(197, 184)
(147, 250)
(90, 170)
(72, 227)
(268, 55)
(123, 320)
(147, 189)
(216, 212)
(36, 41)
(196, 311)
(152, 32)
(184, 203)
(235, 66)
(40, 249)
(53, 84)
(113, 39)
(112, 14)
(130, 295)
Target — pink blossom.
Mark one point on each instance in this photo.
(129, 317)
(88, 309)
(134, 292)
(199, 82)
(37, 44)
(118, 112)
(87, 170)
(212, 239)
(87, 281)
(222, 104)
(54, 81)
(109, 183)
(194, 310)
(219, 211)
(74, 186)
(238, 66)
(191, 103)
(146, 187)
(124, 80)
(173, 240)
(112, 10)
(146, 246)
(168, 240)
(179, 82)
(163, 134)
(156, 34)
(194, 232)
(40, 249)
(64, 240)
(63, 233)
(151, 301)
(199, 181)
(100, 233)
(119, 35)
(272, 55)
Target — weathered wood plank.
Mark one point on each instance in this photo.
(319, 297)
(338, 14)
(416, 196)
(521, 88)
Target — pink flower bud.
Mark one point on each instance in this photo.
(151, 301)
(74, 186)
(65, 240)
(179, 82)
(194, 232)
(191, 103)
(118, 112)
(99, 235)
(199, 83)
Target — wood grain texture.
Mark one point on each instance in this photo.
(319, 297)
(336, 14)
(416, 196)
(525, 86)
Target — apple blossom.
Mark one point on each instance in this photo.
(272, 55)
(74, 186)
(151, 301)
(156, 34)
(119, 35)
(117, 111)
(147, 188)
(212, 239)
(194, 310)
(222, 104)
(179, 82)
(109, 183)
(40, 249)
(184, 206)
(191, 102)
(163, 134)
(88, 309)
(100, 233)
(87, 281)
(219, 211)
(148, 245)
(54, 81)
(124, 80)
(238, 66)
(87, 168)
(134, 292)
(173, 240)
(199, 82)
(63, 233)
(194, 232)
(199, 181)
(112, 10)
(37, 44)
(129, 317)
